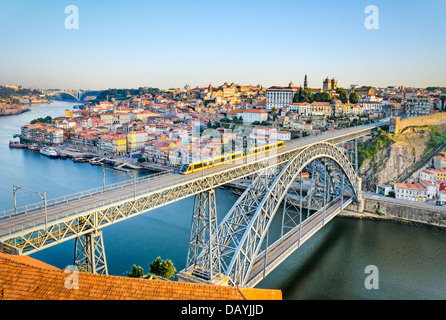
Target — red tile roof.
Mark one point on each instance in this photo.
(25, 278)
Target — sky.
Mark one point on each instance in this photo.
(168, 44)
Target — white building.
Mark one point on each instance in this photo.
(410, 191)
(431, 189)
(428, 175)
(303, 108)
(279, 97)
(252, 115)
(419, 106)
(371, 106)
(269, 135)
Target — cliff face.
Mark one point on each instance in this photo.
(393, 161)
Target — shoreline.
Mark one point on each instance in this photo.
(15, 113)
(373, 216)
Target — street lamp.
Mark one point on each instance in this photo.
(134, 182)
(104, 172)
(41, 194)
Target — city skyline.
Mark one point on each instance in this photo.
(170, 44)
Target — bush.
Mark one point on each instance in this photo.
(142, 159)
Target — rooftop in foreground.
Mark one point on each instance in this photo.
(25, 278)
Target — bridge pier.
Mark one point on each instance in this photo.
(203, 257)
(90, 254)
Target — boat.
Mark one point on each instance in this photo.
(33, 148)
(17, 145)
(237, 192)
(79, 159)
(63, 156)
(49, 152)
(96, 163)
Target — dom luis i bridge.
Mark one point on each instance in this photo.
(234, 251)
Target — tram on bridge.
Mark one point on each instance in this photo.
(201, 165)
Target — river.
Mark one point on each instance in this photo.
(410, 260)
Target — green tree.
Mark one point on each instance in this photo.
(47, 119)
(162, 268)
(323, 97)
(354, 97)
(303, 95)
(137, 272)
(343, 94)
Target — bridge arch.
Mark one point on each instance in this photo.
(243, 230)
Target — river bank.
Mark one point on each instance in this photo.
(377, 217)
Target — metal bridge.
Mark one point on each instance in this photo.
(229, 250)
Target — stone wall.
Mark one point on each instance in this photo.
(416, 212)
(397, 124)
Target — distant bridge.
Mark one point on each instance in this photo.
(76, 95)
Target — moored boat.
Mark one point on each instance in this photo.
(49, 152)
(33, 148)
(17, 145)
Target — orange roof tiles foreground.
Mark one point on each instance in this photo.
(25, 278)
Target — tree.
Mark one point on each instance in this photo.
(303, 95)
(137, 272)
(163, 268)
(354, 98)
(343, 95)
(47, 119)
(256, 123)
(323, 97)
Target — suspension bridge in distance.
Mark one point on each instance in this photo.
(229, 250)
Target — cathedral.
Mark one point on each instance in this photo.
(330, 84)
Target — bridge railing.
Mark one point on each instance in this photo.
(80, 195)
(86, 208)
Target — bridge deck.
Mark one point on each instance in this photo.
(21, 223)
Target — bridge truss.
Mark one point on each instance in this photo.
(229, 248)
(234, 248)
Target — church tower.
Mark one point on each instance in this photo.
(306, 82)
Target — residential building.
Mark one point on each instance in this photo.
(410, 191)
(252, 115)
(428, 175)
(419, 106)
(431, 189)
(439, 162)
(303, 108)
(321, 108)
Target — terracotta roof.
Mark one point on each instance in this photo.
(25, 278)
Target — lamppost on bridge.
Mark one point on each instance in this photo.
(41, 194)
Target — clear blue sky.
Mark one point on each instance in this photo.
(170, 43)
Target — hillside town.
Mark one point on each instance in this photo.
(165, 127)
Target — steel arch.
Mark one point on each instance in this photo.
(244, 251)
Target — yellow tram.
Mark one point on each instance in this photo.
(225, 159)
